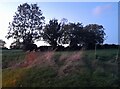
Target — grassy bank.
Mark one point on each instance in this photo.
(60, 69)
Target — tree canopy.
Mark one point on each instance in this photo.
(75, 34)
(94, 34)
(72, 34)
(52, 32)
(27, 24)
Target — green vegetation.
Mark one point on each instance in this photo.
(61, 69)
(10, 57)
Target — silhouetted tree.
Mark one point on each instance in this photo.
(52, 33)
(2, 43)
(16, 45)
(94, 35)
(72, 33)
(75, 35)
(30, 47)
(27, 24)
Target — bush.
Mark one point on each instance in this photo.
(29, 47)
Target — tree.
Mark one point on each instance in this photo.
(94, 34)
(27, 24)
(2, 43)
(72, 33)
(16, 45)
(75, 34)
(52, 33)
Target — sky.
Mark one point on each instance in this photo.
(102, 13)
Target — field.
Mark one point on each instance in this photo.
(60, 69)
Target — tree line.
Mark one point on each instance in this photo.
(29, 25)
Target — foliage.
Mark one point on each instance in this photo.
(72, 34)
(27, 24)
(94, 34)
(27, 27)
(52, 32)
(16, 45)
(75, 34)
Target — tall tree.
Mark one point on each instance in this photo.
(27, 24)
(52, 32)
(75, 34)
(94, 34)
(72, 34)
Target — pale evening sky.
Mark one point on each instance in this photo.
(102, 13)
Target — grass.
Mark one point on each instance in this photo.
(44, 77)
(105, 54)
(10, 57)
(61, 69)
(11, 78)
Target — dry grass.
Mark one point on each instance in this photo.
(30, 57)
(68, 67)
(72, 63)
(44, 59)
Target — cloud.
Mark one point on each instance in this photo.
(101, 9)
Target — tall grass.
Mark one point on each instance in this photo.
(12, 78)
(11, 57)
(62, 69)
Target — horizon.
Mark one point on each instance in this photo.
(102, 13)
